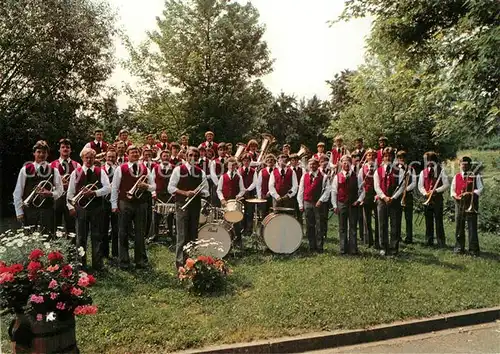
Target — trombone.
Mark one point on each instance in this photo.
(196, 192)
(34, 199)
(77, 199)
(471, 209)
(431, 194)
(135, 191)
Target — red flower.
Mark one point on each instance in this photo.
(6, 277)
(66, 271)
(76, 291)
(36, 254)
(91, 279)
(34, 266)
(55, 256)
(85, 310)
(3, 267)
(16, 268)
(206, 259)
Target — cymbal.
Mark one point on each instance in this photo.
(283, 209)
(256, 200)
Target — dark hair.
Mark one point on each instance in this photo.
(401, 154)
(64, 141)
(431, 156)
(466, 159)
(41, 145)
(175, 145)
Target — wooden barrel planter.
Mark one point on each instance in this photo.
(37, 337)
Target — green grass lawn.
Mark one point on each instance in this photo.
(150, 311)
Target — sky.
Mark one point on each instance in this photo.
(307, 51)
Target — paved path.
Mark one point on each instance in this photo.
(475, 339)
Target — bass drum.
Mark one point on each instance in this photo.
(220, 234)
(282, 233)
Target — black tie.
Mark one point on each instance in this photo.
(89, 176)
(134, 169)
(210, 145)
(282, 173)
(338, 150)
(110, 170)
(65, 166)
(164, 146)
(164, 170)
(222, 161)
(232, 174)
(246, 171)
(431, 173)
(347, 178)
(98, 146)
(271, 169)
(387, 170)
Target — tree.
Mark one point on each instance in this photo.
(204, 60)
(54, 59)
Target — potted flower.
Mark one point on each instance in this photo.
(204, 274)
(41, 282)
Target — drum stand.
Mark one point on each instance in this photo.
(255, 237)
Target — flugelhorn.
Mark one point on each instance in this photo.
(303, 151)
(431, 194)
(267, 141)
(34, 199)
(471, 209)
(240, 148)
(77, 199)
(65, 180)
(135, 191)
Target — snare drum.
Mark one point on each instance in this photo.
(165, 208)
(282, 233)
(233, 211)
(220, 234)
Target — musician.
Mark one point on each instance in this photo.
(466, 185)
(204, 161)
(217, 168)
(286, 150)
(30, 175)
(185, 180)
(320, 151)
(123, 136)
(263, 184)
(338, 150)
(359, 149)
(382, 144)
(283, 184)
(386, 182)
(314, 192)
(355, 167)
(209, 154)
(231, 186)
(108, 216)
(65, 165)
(121, 156)
(163, 144)
(369, 211)
(132, 208)
(89, 218)
(229, 149)
(162, 172)
(98, 144)
(252, 147)
(184, 145)
(147, 160)
(410, 181)
(209, 143)
(432, 183)
(299, 171)
(325, 169)
(150, 145)
(249, 176)
(346, 200)
(174, 158)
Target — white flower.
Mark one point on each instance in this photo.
(9, 244)
(2, 249)
(81, 251)
(36, 234)
(59, 233)
(72, 235)
(25, 238)
(51, 316)
(46, 245)
(20, 243)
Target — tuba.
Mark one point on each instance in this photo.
(304, 151)
(135, 192)
(34, 199)
(267, 141)
(239, 150)
(77, 199)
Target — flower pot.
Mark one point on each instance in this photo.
(37, 337)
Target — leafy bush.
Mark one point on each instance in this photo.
(489, 207)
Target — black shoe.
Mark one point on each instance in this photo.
(124, 266)
(408, 241)
(143, 266)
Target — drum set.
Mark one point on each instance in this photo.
(279, 231)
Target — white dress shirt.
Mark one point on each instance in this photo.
(176, 176)
(213, 174)
(104, 190)
(117, 178)
(478, 185)
(253, 185)
(444, 180)
(272, 184)
(57, 191)
(325, 189)
(69, 161)
(221, 183)
(95, 142)
(335, 187)
(378, 189)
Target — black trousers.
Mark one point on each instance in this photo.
(135, 212)
(471, 218)
(388, 215)
(371, 235)
(298, 213)
(314, 218)
(109, 217)
(43, 218)
(348, 221)
(187, 228)
(90, 221)
(247, 223)
(61, 212)
(407, 212)
(325, 208)
(434, 214)
(266, 208)
(149, 218)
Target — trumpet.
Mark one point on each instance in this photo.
(34, 199)
(135, 191)
(79, 197)
(196, 192)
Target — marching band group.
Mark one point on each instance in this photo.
(112, 194)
